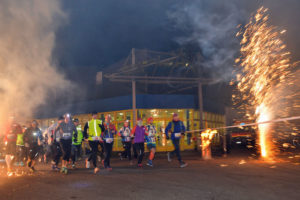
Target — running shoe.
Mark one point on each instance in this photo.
(87, 164)
(32, 169)
(55, 168)
(150, 163)
(28, 163)
(10, 173)
(183, 164)
(21, 164)
(140, 165)
(109, 168)
(169, 157)
(96, 170)
(64, 170)
(73, 166)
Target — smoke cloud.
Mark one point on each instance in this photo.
(213, 25)
(28, 77)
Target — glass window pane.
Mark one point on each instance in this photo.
(120, 116)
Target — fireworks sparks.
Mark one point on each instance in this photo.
(264, 76)
(206, 138)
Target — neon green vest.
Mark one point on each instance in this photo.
(20, 141)
(79, 136)
(94, 129)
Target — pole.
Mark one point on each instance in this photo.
(200, 102)
(133, 89)
(133, 102)
(133, 56)
(205, 152)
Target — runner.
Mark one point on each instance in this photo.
(11, 132)
(177, 129)
(20, 148)
(33, 139)
(76, 146)
(108, 138)
(151, 140)
(53, 142)
(67, 131)
(92, 133)
(47, 147)
(125, 133)
(139, 138)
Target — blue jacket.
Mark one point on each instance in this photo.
(175, 127)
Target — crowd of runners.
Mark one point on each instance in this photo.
(61, 143)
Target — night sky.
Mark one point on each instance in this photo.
(100, 33)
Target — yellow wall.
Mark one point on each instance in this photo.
(190, 118)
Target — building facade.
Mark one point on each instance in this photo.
(159, 107)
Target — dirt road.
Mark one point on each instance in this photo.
(234, 177)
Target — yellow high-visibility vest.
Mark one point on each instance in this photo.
(94, 129)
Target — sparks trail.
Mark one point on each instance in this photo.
(264, 78)
(250, 124)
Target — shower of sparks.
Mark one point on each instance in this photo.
(206, 138)
(265, 79)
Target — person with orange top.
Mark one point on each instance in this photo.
(151, 140)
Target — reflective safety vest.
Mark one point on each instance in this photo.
(94, 129)
(79, 136)
(20, 140)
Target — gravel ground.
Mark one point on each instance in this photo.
(233, 177)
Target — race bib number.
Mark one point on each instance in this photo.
(177, 135)
(109, 140)
(127, 132)
(96, 138)
(152, 139)
(127, 139)
(66, 135)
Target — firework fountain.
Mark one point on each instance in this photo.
(206, 138)
(266, 82)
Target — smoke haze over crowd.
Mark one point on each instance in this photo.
(41, 40)
(27, 38)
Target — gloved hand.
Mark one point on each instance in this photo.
(167, 137)
(75, 140)
(182, 133)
